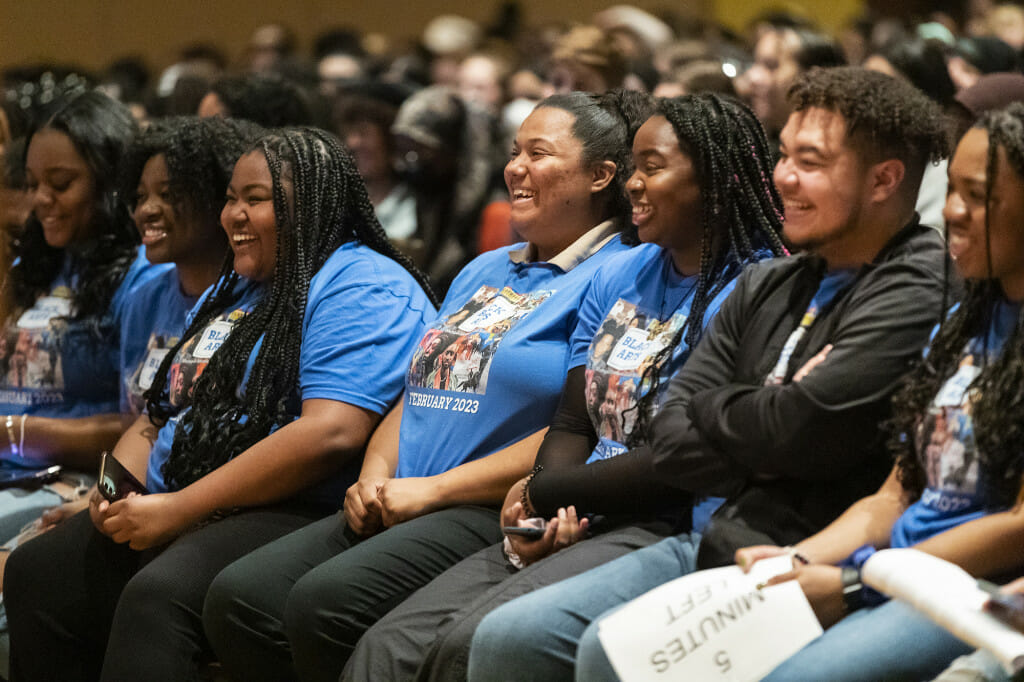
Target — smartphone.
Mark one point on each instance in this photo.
(115, 482)
(531, 532)
(28, 478)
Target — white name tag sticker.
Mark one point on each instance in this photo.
(213, 336)
(630, 351)
(44, 310)
(710, 625)
(952, 393)
(497, 310)
(150, 366)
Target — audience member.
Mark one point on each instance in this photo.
(266, 99)
(76, 264)
(782, 53)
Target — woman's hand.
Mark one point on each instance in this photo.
(145, 521)
(403, 499)
(823, 586)
(363, 506)
(563, 530)
(98, 508)
(51, 517)
(747, 556)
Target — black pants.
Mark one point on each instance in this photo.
(428, 637)
(305, 600)
(82, 607)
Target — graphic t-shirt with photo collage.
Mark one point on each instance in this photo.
(634, 310)
(947, 447)
(364, 316)
(489, 370)
(154, 320)
(52, 365)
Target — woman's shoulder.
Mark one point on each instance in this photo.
(354, 265)
(632, 258)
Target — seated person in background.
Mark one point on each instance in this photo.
(444, 149)
(806, 351)
(480, 392)
(284, 369)
(781, 55)
(647, 307)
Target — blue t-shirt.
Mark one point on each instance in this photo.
(53, 366)
(364, 315)
(635, 307)
(947, 447)
(489, 371)
(154, 319)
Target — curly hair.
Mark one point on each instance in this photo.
(100, 130)
(267, 99)
(997, 400)
(330, 207)
(885, 117)
(200, 154)
(605, 125)
(741, 211)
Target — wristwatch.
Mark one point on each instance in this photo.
(853, 589)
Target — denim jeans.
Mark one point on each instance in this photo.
(536, 636)
(889, 642)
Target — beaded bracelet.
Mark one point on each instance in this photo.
(524, 497)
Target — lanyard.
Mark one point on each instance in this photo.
(778, 375)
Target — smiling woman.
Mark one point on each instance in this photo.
(75, 265)
(248, 218)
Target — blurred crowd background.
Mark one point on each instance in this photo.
(427, 98)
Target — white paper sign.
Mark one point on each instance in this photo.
(711, 625)
(949, 596)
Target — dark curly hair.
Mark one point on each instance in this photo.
(885, 117)
(200, 154)
(742, 211)
(923, 63)
(100, 130)
(267, 99)
(998, 401)
(605, 125)
(330, 207)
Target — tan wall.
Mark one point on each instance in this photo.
(92, 32)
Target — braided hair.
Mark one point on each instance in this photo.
(100, 130)
(329, 208)
(742, 211)
(997, 400)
